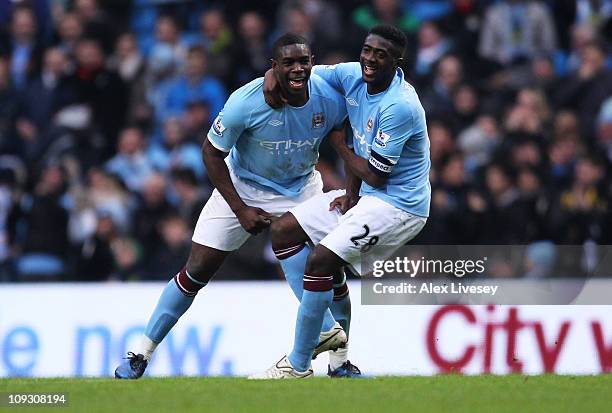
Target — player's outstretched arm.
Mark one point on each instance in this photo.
(253, 220)
(357, 165)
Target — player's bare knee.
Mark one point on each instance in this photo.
(286, 232)
(320, 261)
(278, 231)
(204, 262)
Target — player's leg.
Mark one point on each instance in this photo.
(217, 233)
(341, 311)
(180, 292)
(289, 243)
(175, 300)
(372, 222)
(318, 295)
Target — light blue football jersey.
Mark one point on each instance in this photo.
(276, 150)
(389, 130)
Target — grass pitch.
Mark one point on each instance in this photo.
(448, 393)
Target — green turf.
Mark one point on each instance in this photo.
(450, 393)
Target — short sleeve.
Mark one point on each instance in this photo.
(395, 126)
(338, 76)
(228, 125)
(341, 113)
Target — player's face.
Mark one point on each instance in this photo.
(377, 60)
(292, 68)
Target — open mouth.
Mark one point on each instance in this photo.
(369, 71)
(297, 83)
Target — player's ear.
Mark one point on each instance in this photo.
(399, 61)
(273, 63)
(312, 59)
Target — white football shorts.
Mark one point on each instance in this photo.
(219, 228)
(371, 230)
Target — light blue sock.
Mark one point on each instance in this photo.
(308, 325)
(341, 306)
(341, 311)
(294, 267)
(171, 306)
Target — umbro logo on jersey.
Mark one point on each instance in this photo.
(275, 122)
(352, 102)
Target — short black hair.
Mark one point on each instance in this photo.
(286, 40)
(392, 34)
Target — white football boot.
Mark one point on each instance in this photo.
(330, 340)
(282, 370)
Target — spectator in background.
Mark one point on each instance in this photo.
(9, 110)
(251, 51)
(131, 163)
(463, 25)
(323, 17)
(581, 36)
(102, 90)
(506, 224)
(384, 11)
(129, 63)
(604, 129)
(151, 100)
(152, 207)
(479, 141)
(441, 142)
(437, 98)
(190, 195)
(107, 192)
(43, 97)
(514, 30)
(44, 246)
(195, 120)
(195, 85)
(69, 32)
(97, 24)
(168, 37)
(218, 40)
(465, 107)
(586, 89)
(448, 203)
(432, 46)
(175, 151)
(172, 250)
(530, 113)
(22, 46)
(579, 211)
(127, 60)
(9, 188)
(95, 261)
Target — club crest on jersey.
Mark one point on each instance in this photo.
(318, 120)
(381, 139)
(218, 127)
(370, 125)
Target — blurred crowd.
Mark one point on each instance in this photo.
(104, 105)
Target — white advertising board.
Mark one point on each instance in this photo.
(237, 328)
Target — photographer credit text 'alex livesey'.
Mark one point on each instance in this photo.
(488, 274)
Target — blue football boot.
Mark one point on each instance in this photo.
(133, 368)
(347, 370)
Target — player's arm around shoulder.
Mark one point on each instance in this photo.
(358, 166)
